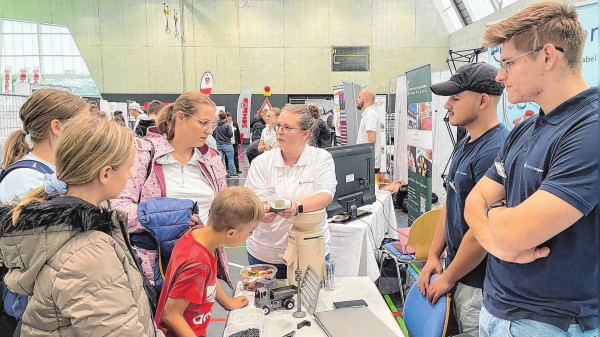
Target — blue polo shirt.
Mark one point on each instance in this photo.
(558, 153)
(470, 162)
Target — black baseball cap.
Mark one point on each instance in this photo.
(478, 77)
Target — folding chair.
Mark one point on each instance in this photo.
(419, 238)
(423, 319)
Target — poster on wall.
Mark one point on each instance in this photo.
(341, 131)
(512, 114)
(420, 141)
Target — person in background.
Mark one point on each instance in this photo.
(137, 113)
(268, 138)
(536, 209)
(43, 115)
(368, 129)
(69, 254)
(473, 98)
(154, 108)
(235, 141)
(321, 136)
(152, 112)
(184, 308)
(294, 171)
(118, 118)
(223, 134)
(93, 109)
(181, 166)
(257, 125)
(102, 114)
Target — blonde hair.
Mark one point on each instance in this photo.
(102, 114)
(276, 111)
(86, 145)
(187, 103)
(305, 117)
(154, 108)
(37, 113)
(539, 24)
(235, 207)
(315, 111)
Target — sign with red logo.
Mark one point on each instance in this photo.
(206, 83)
(36, 75)
(23, 75)
(243, 110)
(7, 80)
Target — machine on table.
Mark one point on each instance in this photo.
(306, 243)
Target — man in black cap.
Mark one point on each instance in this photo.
(474, 95)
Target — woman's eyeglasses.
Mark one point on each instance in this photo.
(286, 129)
(205, 123)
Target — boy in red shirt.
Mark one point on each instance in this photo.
(191, 285)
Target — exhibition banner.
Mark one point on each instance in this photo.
(511, 114)
(341, 130)
(243, 111)
(420, 141)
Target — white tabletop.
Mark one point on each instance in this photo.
(280, 322)
(353, 243)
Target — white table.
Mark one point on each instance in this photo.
(280, 322)
(353, 244)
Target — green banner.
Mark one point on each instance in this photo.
(419, 129)
(418, 81)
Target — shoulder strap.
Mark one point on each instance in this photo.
(30, 164)
(148, 169)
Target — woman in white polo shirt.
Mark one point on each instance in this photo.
(294, 171)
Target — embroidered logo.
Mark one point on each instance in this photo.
(527, 166)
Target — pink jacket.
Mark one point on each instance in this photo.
(211, 165)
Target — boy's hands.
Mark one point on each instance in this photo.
(236, 303)
(269, 216)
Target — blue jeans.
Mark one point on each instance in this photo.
(281, 268)
(227, 150)
(490, 325)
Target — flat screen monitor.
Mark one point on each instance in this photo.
(355, 173)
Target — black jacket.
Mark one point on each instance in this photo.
(256, 128)
(321, 136)
(223, 133)
(236, 133)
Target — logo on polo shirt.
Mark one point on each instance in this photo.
(306, 182)
(527, 166)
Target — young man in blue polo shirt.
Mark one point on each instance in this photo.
(536, 210)
(474, 96)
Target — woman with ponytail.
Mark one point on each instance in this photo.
(294, 171)
(71, 256)
(43, 116)
(174, 161)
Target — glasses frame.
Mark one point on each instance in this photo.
(205, 123)
(506, 64)
(286, 129)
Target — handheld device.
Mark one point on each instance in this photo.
(349, 304)
(280, 205)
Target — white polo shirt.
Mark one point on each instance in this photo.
(370, 122)
(271, 179)
(187, 182)
(269, 137)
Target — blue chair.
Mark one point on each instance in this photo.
(423, 319)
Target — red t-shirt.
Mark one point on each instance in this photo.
(192, 276)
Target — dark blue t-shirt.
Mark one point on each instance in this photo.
(470, 162)
(557, 153)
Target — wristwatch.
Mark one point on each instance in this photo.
(299, 208)
(497, 204)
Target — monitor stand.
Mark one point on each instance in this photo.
(345, 217)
